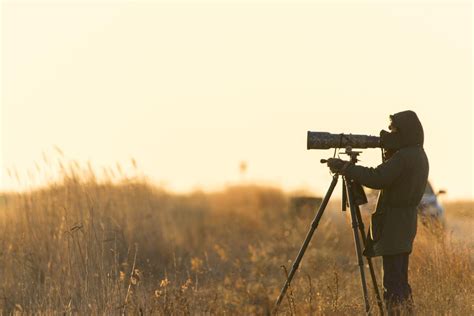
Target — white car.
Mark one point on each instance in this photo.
(429, 205)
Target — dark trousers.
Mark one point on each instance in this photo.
(397, 291)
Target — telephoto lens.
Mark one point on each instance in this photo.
(324, 140)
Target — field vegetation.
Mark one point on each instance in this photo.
(82, 246)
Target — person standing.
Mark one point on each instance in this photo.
(401, 179)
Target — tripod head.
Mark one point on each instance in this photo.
(353, 154)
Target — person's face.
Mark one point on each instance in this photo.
(392, 127)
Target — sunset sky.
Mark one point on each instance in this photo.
(190, 89)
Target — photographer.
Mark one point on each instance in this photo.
(402, 179)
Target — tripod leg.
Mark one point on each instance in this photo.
(314, 225)
(358, 249)
(344, 197)
(369, 261)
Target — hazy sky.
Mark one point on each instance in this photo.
(191, 89)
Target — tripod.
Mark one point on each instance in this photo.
(352, 195)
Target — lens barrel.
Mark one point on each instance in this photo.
(324, 140)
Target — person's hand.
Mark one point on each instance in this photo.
(337, 165)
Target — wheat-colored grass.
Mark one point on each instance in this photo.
(83, 247)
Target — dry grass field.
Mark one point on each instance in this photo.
(88, 248)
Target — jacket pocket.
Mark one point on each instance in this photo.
(376, 225)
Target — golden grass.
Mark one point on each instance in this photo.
(84, 247)
(460, 208)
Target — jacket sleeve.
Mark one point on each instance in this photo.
(377, 178)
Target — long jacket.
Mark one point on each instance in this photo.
(402, 181)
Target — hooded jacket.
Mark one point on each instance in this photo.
(402, 180)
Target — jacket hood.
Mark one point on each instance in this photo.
(409, 127)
